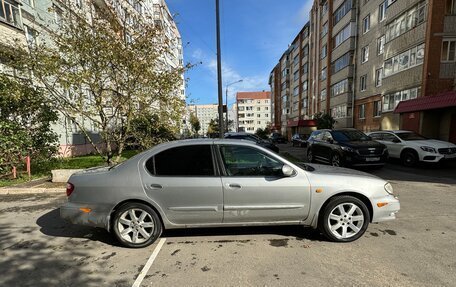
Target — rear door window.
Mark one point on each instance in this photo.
(191, 160)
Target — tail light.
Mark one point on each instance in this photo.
(69, 188)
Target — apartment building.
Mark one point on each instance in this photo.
(31, 21)
(253, 111)
(380, 65)
(204, 113)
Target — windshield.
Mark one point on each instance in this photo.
(347, 136)
(410, 137)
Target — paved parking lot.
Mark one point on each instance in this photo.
(418, 249)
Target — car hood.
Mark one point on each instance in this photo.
(341, 171)
(431, 143)
(361, 144)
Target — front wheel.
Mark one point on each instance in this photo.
(409, 158)
(136, 225)
(336, 160)
(310, 156)
(344, 219)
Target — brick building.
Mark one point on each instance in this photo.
(367, 56)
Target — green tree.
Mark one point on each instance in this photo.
(147, 131)
(108, 70)
(324, 121)
(214, 127)
(25, 122)
(195, 123)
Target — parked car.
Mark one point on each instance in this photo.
(217, 183)
(254, 138)
(278, 138)
(299, 140)
(345, 147)
(411, 147)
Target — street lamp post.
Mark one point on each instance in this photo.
(226, 100)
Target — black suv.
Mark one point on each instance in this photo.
(251, 137)
(345, 147)
(277, 138)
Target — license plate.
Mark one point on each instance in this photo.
(372, 159)
(450, 155)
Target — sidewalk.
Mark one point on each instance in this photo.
(43, 185)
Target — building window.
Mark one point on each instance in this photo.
(391, 101)
(296, 91)
(323, 52)
(323, 74)
(305, 86)
(305, 68)
(363, 83)
(266, 115)
(382, 12)
(362, 112)
(404, 61)
(366, 24)
(380, 45)
(305, 50)
(365, 54)
(342, 11)
(449, 50)
(30, 35)
(324, 29)
(341, 63)
(296, 60)
(10, 13)
(343, 35)
(450, 7)
(406, 21)
(340, 88)
(378, 77)
(339, 112)
(31, 3)
(296, 75)
(323, 95)
(377, 108)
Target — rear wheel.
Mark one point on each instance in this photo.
(136, 225)
(344, 219)
(336, 160)
(409, 158)
(310, 157)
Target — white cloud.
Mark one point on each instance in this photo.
(230, 75)
(198, 54)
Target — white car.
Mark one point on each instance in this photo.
(411, 147)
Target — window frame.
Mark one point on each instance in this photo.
(447, 56)
(363, 83)
(366, 25)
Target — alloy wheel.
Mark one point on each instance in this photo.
(345, 220)
(335, 160)
(136, 225)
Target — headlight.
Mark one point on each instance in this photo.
(428, 149)
(389, 188)
(346, 148)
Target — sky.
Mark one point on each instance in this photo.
(254, 34)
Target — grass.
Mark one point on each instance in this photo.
(43, 169)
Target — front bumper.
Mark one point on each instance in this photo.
(72, 212)
(354, 159)
(385, 212)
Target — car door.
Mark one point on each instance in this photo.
(326, 146)
(184, 182)
(255, 189)
(317, 145)
(393, 143)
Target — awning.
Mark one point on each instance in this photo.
(439, 101)
(302, 123)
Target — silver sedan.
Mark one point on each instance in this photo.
(216, 183)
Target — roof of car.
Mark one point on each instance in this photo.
(391, 131)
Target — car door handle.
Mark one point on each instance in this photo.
(155, 186)
(234, 185)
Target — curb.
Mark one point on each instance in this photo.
(4, 191)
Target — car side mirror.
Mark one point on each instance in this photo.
(287, 170)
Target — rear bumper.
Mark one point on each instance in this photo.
(72, 212)
(386, 212)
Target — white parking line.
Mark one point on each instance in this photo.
(146, 267)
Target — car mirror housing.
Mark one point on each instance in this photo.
(287, 170)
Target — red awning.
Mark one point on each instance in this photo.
(439, 101)
(302, 123)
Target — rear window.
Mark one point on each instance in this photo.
(192, 160)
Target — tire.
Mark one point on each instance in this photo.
(336, 160)
(344, 219)
(310, 157)
(142, 232)
(409, 158)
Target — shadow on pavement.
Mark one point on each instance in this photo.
(43, 262)
(296, 231)
(52, 224)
